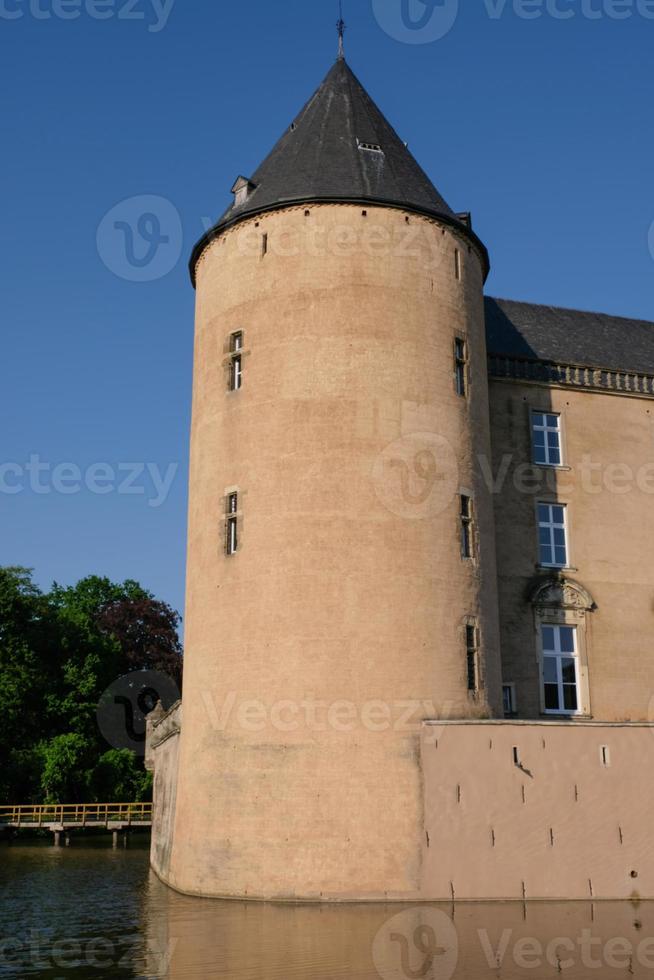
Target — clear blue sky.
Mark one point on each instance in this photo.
(541, 127)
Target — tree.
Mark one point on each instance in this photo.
(59, 652)
(119, 776)
(66, 761)
(146, 631)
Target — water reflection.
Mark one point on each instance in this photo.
(89, 911)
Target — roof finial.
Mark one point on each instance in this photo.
(341, 31)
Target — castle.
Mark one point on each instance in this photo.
(419, 600)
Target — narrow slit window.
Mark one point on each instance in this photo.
(461, 367)
(467, 527)
(457, 263)
(264, 244)
(472, 659)
(236, 361)
(231, 525)
(509, 700)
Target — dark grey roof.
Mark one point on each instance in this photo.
(549, 333)
(340, 148)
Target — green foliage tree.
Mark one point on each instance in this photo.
(59, 651)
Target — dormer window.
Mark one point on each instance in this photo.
(371, 147)
(241, 190)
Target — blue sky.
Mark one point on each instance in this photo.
(539, 125)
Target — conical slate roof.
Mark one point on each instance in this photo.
(340, 148)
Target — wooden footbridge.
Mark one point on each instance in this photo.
(62, 819)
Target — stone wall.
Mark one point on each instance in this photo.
(538, 810)
(161, 757)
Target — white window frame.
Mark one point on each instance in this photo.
(236, 361)
(558, 656)
(231, 524)
(552, 526)
(547, 429)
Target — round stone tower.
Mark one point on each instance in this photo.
(341, 563)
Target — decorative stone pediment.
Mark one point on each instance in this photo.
(562, 593)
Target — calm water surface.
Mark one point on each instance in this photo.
(91, 912)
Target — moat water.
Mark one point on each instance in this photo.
(91, 912)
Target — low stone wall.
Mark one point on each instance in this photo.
(538, 810)
(161, 758)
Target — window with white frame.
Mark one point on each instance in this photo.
(552, 535)
(236, 361)
(546, 439)
(560, 665)
(231, 524)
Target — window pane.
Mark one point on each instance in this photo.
(540, 455)
(559, 537)
(558, 514)
(548, 638)
(539, 437)
(549, 670)
(570, 697)
(567, 637)
(555, 457)
(561, 557)
(538, 419)
(552, 421)
(551, 697)
(544, 513)
(544, 536)
(568, 671)
(553, 440)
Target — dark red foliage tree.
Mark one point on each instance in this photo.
(146, 632)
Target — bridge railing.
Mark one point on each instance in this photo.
(84, 814)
